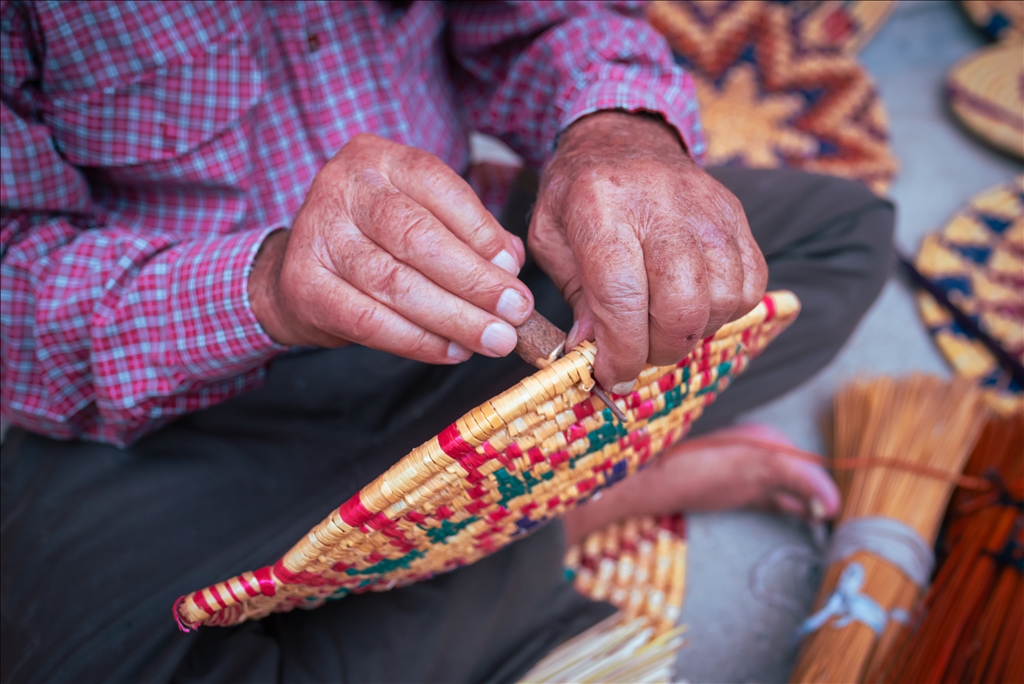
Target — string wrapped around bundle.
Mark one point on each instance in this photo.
(970, 626)
(913, 436)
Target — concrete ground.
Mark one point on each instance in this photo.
(752, 577)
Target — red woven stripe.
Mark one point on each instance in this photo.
(667, 382)
(452, 443)
(497, 515)
(393, 531)
(231, 592)
(250, 588)
(282, 573)
(200, 601)
(575, 432)
(536, 456)
(216, 597)
(769, 304)
(353, 512)
(378, 521)
(177, 616)
(559, 457)
(583, 409)
(645, 410)
(513, 451)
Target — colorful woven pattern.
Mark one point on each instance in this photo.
(997, 18)
(513, 463)
(638, 565)
(986, 93)
(774, 90)
(846, 24)
(978, 259)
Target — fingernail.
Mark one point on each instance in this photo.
(570, 340)
(817, 510)
(506, 262)
(513, 306)
(623, 387)
(499, 339)
(456, 352)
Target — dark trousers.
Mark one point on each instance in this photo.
(97, 542)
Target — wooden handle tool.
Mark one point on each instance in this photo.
(541, 342)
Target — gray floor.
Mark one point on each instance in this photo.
(744, 597)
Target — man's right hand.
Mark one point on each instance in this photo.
(392, 250)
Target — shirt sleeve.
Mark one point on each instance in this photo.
(107, 332)
(529, 69)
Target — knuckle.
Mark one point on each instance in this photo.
(680, 328)
(382, 277)
(481, 282)
(481, 234)
(366, 324)
(416, 233)
(424, 346)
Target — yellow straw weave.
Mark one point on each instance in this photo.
(514, 462)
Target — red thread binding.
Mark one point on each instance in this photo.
(353, 512)
(769, 305)
(452, 443)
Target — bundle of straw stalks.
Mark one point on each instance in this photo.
(908, 439)
(971, 624)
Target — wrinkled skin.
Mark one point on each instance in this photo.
(652, 253)
(393, 250)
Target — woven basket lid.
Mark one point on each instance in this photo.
(978, 260)
(986, 93)
(513, 463)
(775, 91)
(997, 18)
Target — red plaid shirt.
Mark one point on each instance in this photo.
(148, 148)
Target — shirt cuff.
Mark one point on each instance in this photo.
(187, 329)
(227, 338)
(676, 102)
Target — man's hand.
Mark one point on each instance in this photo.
(652, 253)
(392, 250)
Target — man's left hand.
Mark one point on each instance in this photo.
(652, 253)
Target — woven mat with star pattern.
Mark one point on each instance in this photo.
(779, 85)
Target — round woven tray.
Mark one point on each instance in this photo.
(986, 93)
(978, 260)
(513, 463)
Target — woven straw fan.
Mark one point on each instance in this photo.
(513, 463)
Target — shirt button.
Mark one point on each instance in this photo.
(314, 42)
